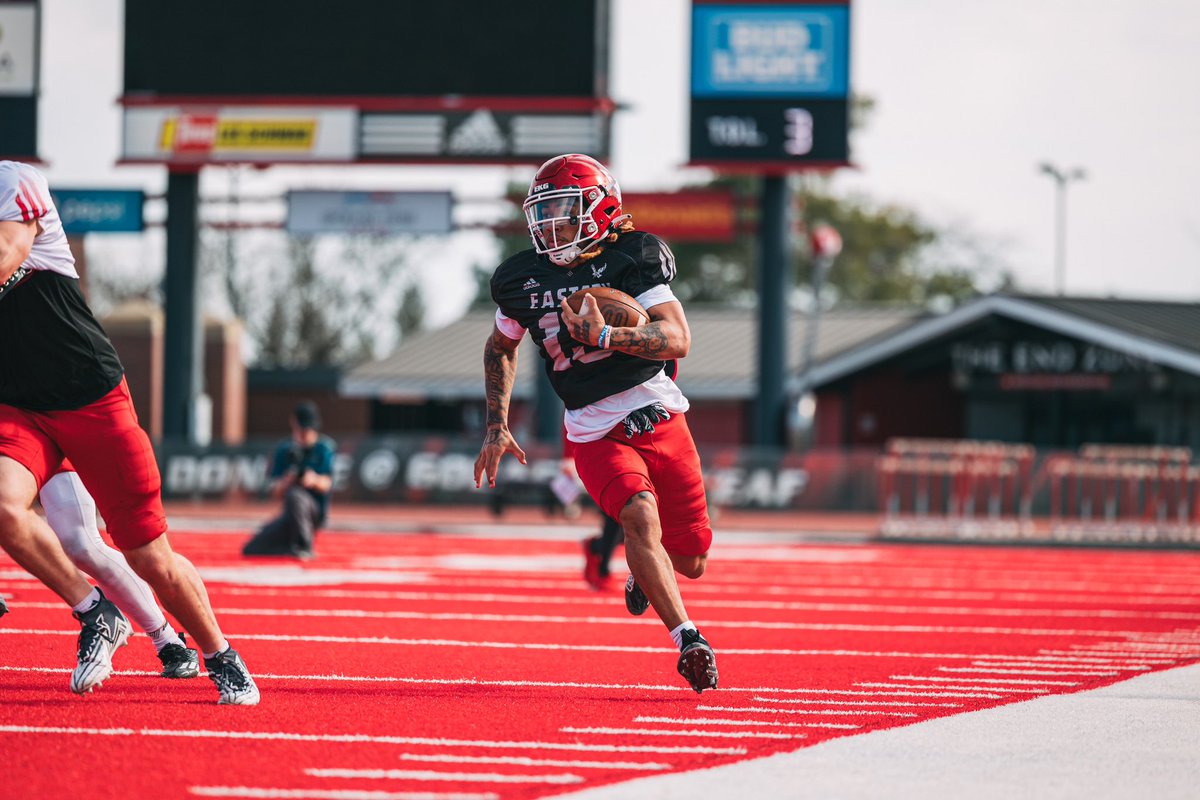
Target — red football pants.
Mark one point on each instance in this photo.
(664, 463)
(108, 449)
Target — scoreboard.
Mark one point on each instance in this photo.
(268, 81)
(770, 85)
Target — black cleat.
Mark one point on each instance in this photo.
(697, 662)
(179, 661)
(635, 598)
(3, 606)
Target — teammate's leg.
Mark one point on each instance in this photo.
(116, 462)
(71, 513)
(26, 537)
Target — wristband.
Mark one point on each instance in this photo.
(602, 342)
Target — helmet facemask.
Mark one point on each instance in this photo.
(561, 222)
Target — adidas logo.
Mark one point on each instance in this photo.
(479, 133)
(530, 284)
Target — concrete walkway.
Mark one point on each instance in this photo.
(1135, 740)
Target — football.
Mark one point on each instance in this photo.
(618, 308)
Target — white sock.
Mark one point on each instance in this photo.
(89, 602)
(164, 636)
(224, 646)
(677, 633)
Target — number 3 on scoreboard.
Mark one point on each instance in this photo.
(797, 131)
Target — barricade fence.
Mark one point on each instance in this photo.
(1102, 494)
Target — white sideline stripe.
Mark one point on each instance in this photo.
(673, 689)
(837, 608)
(591, 598)
(845, 712)
(355, 738)
(561, 619)
(993, 671)
(1004, 689)
(901, 692)
(744, 722)
(1005, 681)
(693, 733)
(433, 775)
(1057, 666)
(522, 761)
(276, 637)
(558, 646)
(986, 692)
(827, 702)
(864, 654)
(1104, 661)
(329, 794)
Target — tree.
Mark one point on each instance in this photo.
(321, 301)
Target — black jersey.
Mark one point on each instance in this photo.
(55, 357)
(529, 289)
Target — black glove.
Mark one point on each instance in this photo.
(643, 419)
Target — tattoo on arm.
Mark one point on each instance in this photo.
(499, 373)
(582, 331)
(648, 341)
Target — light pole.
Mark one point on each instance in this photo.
(1061, 179)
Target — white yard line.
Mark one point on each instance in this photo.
(523, 761)
(419, 775)
(357, 738)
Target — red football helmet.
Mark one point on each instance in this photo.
(573, 203)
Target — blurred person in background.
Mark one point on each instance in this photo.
(624, 414)
(63, 395)
(302, 475)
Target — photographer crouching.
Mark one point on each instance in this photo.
(302, 474)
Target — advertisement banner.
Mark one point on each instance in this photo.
(99, 210)
(770, 51)
(437, 470)
(382, 213)
(687, 216)
(259, 134)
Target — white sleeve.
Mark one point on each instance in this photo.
(24, 195)
(509, 326)
(656, 295)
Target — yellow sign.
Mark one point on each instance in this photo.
(208, 133)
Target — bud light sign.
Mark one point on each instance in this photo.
(777, 51)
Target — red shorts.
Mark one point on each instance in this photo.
(664, 463)
(108, 449)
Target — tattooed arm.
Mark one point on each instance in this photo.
(499, 373)
(664, 337)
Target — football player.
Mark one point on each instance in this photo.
(624, 413)
(63, 395)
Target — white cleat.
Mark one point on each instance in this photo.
(104, 630)
(233, 680)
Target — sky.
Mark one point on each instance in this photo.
(970, 97)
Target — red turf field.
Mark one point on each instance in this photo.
(405, 666)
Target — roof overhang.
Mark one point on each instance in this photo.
(1032, 313)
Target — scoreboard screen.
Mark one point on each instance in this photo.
(369, 47)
